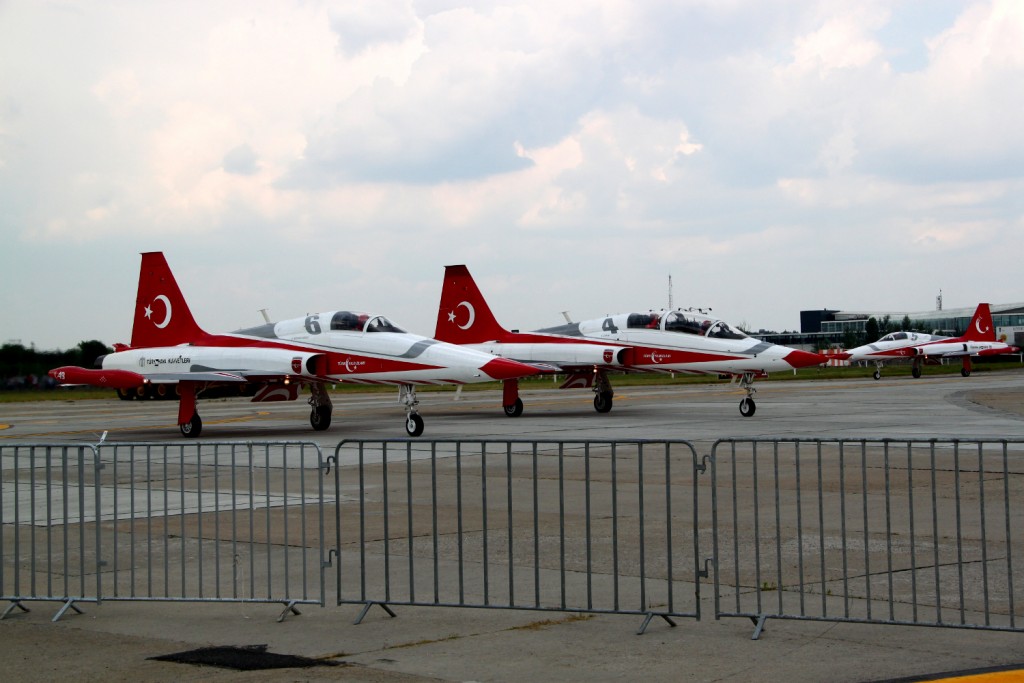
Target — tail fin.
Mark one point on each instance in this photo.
(464, 316)
(981, 327)
(162, 317)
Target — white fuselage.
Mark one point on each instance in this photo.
(372, 351)
(673, 341)
(910, 344)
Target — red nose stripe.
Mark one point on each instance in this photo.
(502, 368)
(805, 359)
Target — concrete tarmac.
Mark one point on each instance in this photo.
(114, 641)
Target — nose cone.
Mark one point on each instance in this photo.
(805, 359)
(503, 368)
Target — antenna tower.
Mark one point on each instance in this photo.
(670, 292)
(938, 301)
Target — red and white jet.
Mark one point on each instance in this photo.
(663, 341)
(272, 362)
(978, 340)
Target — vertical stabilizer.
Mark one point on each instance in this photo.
(464, 316)
(162, 318)
(981, 327)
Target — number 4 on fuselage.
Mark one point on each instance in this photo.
(662, 341)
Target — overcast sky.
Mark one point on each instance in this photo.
(308, 156)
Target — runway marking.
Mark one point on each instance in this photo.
(1002, 674)
(41, 505)
(226, 420)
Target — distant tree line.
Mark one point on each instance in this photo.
(22, 367)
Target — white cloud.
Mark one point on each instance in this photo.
(577, 153)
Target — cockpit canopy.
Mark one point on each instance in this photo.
(355, 321)
(686, 322)
(895, 336)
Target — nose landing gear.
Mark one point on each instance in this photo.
(413, 421)
(747, 405)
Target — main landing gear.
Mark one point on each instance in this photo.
(510, 401)
(747, 405)
(603, 393)
(413, 421)
(189, 422)
(321, 407)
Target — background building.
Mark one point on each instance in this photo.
(827, 327)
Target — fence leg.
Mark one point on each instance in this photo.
(10, 608)
(366, 608)
(758, 625)
(647, 621)
(68, 604)
(289, 607)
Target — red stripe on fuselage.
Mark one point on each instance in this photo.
(337, 363)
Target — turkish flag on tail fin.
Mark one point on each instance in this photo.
(162, 318)
(981, 327)
(463, 316)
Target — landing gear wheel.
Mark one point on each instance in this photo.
(514, 410)
(964, 372)
(915, 371)
(603, 401)
(320, 417)
(125, 394)
(747, 407)
(877, 375)
(192, 428)
(413, 425)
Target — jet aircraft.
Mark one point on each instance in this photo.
(978, 340)
(664, 341)
(170, 353)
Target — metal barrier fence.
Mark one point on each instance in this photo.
(886, 531)
(582, 526)
(194, 522)
(47, 551)
(876, 531)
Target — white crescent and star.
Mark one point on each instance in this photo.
(469, 309)
(977, 326)
(167, 316)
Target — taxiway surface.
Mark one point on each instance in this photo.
(984, 405)
(114, 641)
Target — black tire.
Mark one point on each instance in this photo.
(878, 374)
(414, 425)
(964, 372)
(603, 401)
(747, 407)
(514, 410)
(193, 428)
(915, 371)
(126, 394)
(320, 418)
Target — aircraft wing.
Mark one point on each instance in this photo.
(213, 376)
(127, 379)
